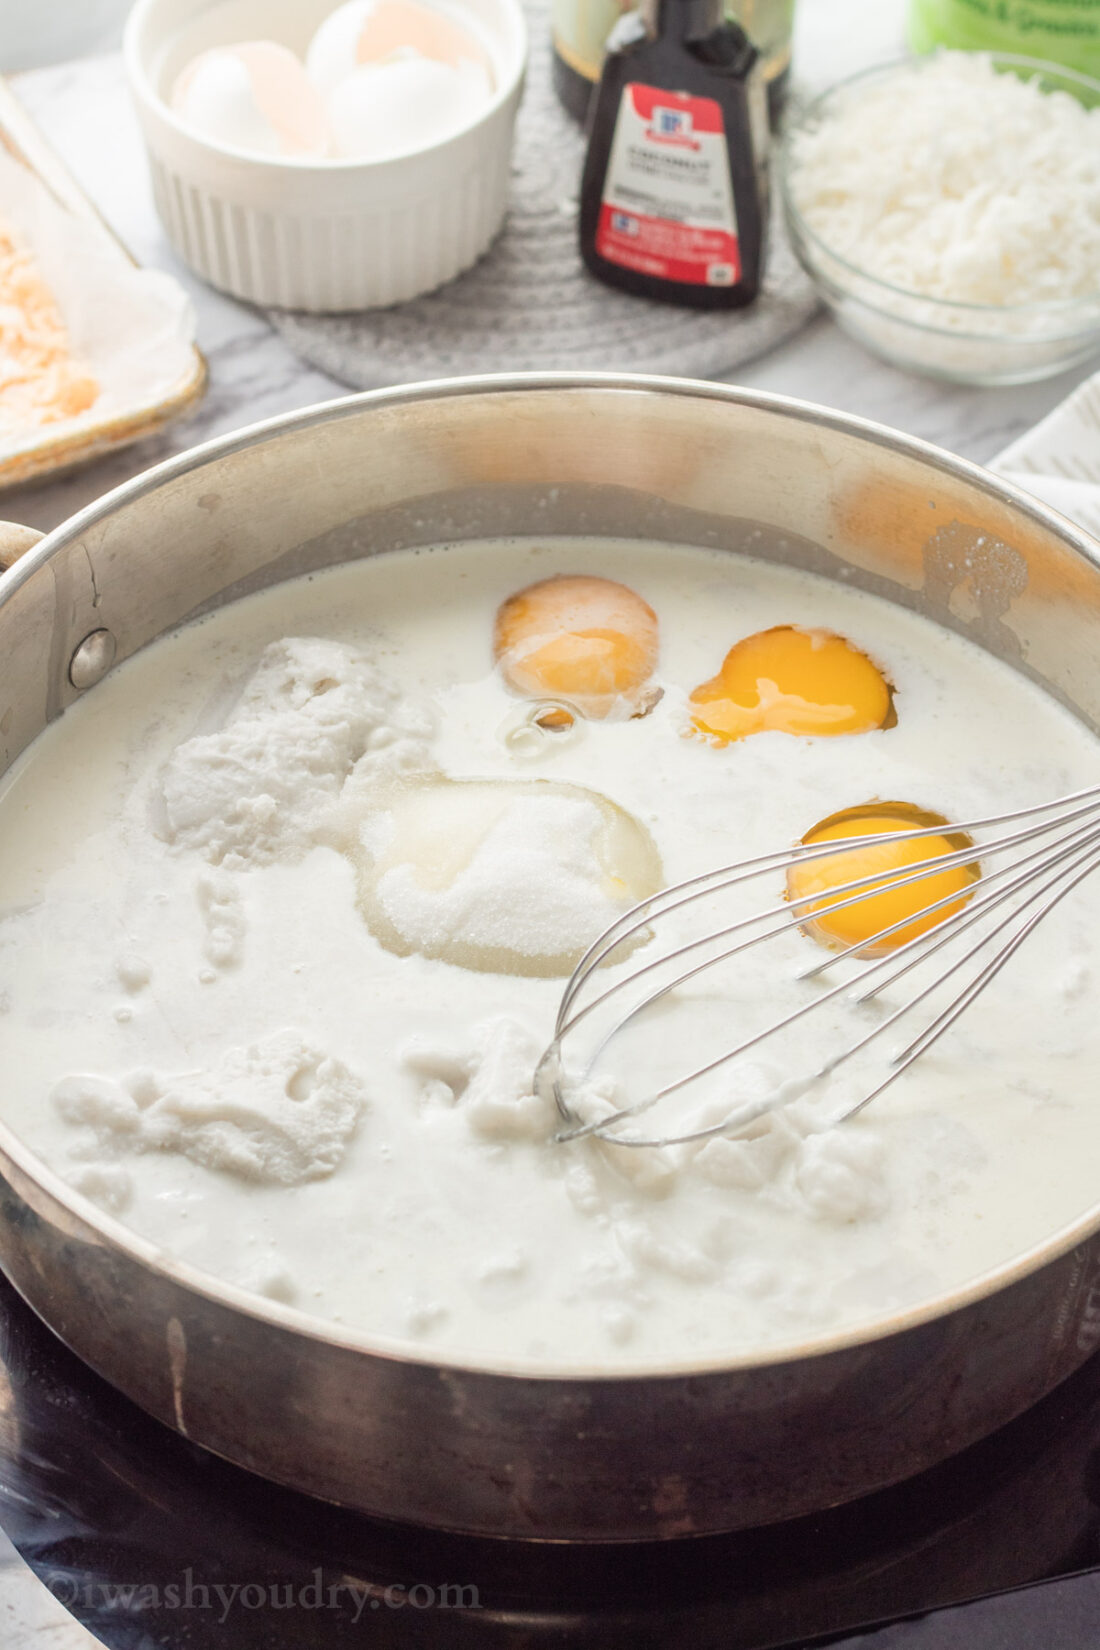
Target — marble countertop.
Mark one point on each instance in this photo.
(83, 111)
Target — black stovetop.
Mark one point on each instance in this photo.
(154, 1543)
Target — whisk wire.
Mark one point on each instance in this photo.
(933, 867)
(961, 1003)
(742, 870)
(1067, 853)
(981, 903)
(1090, 852)
(711, 882)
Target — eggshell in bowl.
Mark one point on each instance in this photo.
(385, 109)
(254, 96)
(328, 232)
(370, 31)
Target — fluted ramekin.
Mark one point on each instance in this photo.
(308, 234)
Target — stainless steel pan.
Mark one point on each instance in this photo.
(705, 1446)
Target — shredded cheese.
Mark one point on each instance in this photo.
(957, 182)
(40, 383)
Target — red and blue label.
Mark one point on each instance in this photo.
(667, 207)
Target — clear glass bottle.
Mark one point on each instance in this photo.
(580, 29)
(1062, 31)
(769, 25)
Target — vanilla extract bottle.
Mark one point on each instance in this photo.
(674, 195)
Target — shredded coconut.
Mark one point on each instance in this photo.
(957, 182)
(280, 1112)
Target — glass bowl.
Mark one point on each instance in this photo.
(966, 343)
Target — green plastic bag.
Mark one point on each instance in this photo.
(1062, 31)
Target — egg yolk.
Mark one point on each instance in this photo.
(789, 680)
(861, 923)
(589, 641)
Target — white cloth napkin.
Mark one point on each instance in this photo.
(1059, 460)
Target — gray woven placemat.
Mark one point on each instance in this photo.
(529, 304)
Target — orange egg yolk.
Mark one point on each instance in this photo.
(586, 640)
(788, 680)
(862, 922)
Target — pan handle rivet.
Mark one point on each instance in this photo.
(92, 659)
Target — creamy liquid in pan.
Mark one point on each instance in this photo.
(203, 1032)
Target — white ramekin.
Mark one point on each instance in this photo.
(319, 235)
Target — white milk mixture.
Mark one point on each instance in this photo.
(272, 986)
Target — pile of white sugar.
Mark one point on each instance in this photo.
(957, 182)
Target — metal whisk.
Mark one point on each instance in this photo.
(1050, 847)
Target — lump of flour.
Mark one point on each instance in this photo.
(840, 1175)
(754, 1158)
(279, 1112)
(784, 1157)
(222, 916)
(490, 1079)
(312, 711)
(835, 1174)
(596, 1099)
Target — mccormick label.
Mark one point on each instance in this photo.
(667, 206)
